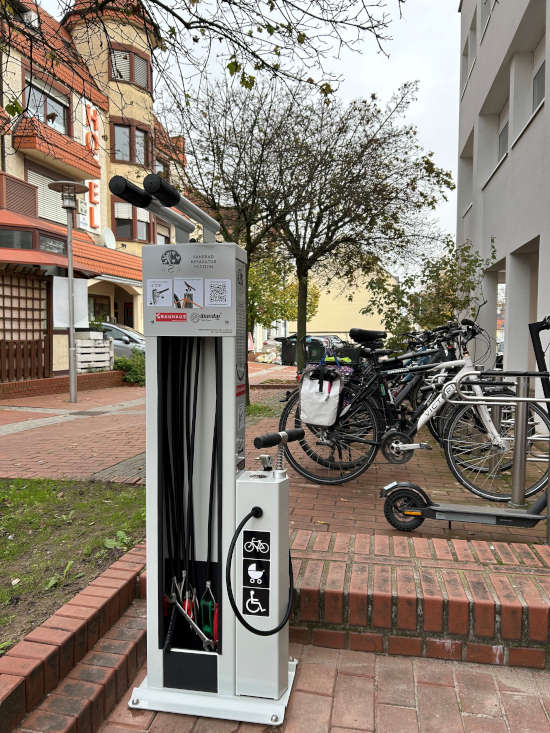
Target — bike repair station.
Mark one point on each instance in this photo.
(219, 580)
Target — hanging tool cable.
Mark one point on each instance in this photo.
(170, 420)
(208, 604)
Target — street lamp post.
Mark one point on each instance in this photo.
(68, 191)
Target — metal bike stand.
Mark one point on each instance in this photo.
(521, 418)
(520, 445)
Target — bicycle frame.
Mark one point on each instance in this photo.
(449, 390)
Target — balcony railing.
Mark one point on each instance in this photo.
(18, 196)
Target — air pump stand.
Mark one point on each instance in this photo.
(205, 656)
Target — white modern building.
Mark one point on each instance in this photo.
(504, 159)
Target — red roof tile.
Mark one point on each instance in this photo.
(54, 51)
(106, 261)
(131, 12)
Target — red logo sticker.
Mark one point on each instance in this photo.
(170, 317)
(240, 390)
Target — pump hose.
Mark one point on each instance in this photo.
(255, 512)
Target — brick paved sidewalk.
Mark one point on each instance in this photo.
(346, 692)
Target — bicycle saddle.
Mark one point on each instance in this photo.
(360, 336)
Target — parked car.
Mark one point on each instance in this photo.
(125, 339)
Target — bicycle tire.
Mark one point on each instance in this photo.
(478, 467)
(322, 469)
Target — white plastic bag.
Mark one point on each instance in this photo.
(320, 395)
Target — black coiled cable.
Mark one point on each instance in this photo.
(255, 512)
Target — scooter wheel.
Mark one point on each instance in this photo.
(396, 503)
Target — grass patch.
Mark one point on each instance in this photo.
(259, 409)
(55, 537)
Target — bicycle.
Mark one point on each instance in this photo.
(478, 453)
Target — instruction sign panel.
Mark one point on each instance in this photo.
(195, 279)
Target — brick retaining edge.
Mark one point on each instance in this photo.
(60, 384)
(68, 673)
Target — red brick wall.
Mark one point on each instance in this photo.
(56, 385)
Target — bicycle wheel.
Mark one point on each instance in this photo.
(486, 470)
(336, 454)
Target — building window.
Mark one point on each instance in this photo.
(130, 66)
(99, 308)
(130, 144)
(141, 72)
(52, 244)
(49, 202)
(143, 225)
(123, 220)
(503, 142)
(15, 240)
(163, 233)
(162, 168)
(122, 142)
(48, 106)
(131, 223)
(120, 65)
(141, 147)
(539, 81)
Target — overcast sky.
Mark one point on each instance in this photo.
(425, 47)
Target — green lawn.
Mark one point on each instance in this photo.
(55, 537)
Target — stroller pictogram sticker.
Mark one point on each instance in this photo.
(256, 573)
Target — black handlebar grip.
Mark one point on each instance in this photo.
(124, 189)
(271, 439)
(467, 322)
(163, 191)
(295, 434)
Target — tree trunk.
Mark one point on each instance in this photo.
(301, 322)
(247, 392)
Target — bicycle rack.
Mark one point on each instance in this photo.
(522, 400)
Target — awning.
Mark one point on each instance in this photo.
(31, 257)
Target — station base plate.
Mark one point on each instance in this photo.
(205, 704)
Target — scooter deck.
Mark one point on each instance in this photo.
(480, 515)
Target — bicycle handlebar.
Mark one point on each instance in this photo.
(271, 439)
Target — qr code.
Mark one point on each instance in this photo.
(218, 293)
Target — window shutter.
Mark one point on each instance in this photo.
(140, 71)
(120, 62)
(163, 228)
(123, 210)
(49, 202)
(142, 215)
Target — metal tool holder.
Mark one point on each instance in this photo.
(522, 400)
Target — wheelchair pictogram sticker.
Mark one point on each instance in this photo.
(256, 601)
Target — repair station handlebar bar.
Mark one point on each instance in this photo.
(271, 439)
